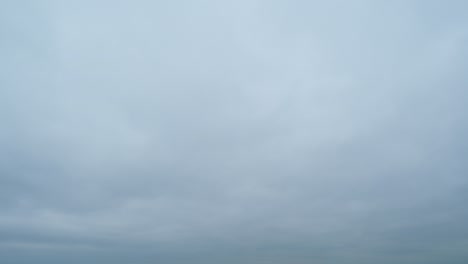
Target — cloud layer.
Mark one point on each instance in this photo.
(233, 132)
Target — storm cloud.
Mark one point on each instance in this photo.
(246, 131)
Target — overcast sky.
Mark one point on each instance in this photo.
(246, 131)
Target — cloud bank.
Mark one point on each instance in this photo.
(233, 132)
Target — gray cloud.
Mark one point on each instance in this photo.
(234, 132)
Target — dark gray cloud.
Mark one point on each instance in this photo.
(235, 132)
